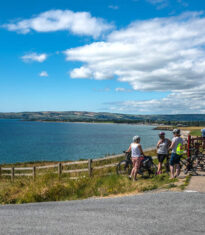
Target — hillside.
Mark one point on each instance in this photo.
(76, 116)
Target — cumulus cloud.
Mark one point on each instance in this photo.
(34, 57)
(43, 74)
(80, 23)
(184, 102)
(160, 54)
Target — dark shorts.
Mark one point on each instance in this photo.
(175, 159)
(161, 157)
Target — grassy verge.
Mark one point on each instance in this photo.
(196, 132)
(105, 182)
(49, 188)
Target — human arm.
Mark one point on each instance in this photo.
(172, 145)
(129, 149)
(159, 142)
(169, 142)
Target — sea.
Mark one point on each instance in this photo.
(28, 141)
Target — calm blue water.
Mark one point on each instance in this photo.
(38, 141)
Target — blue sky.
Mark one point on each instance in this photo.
(126, 56)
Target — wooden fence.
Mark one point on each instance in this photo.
(59, 168)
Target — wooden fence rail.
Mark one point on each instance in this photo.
(60, 168)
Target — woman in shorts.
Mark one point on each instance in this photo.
(137, 156)
(162, 150)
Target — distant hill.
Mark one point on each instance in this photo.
(77, 116)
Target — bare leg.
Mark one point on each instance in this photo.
(177, 170)
(136, 169)
(135, 174)
(172, 171)
(159, 168)
(132, 174)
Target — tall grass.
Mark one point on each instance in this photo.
(49, 188)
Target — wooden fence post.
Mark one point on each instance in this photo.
(12, 174)
(59, 169)
(34, 173)
(90, 167)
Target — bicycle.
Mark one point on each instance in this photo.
(192, 163)
(188, 165)
(147, 165)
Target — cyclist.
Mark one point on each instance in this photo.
(137, 156)
(176, 147)
(162, 150)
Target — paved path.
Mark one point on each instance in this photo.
(197, 183)
(146, 214)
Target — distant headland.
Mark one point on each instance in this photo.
(105, 117)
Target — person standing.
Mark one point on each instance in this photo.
(176, 147)
(137, 156)
(162, 151)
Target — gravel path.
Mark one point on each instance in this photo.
(149, 213)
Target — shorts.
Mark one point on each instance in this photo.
(175, 159)
(136, 161)
(161, 157)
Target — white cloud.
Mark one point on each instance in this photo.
(114, 7)
(161, 54)
(34, 57)
(183, 102)
(80, 23)
(159, 3)
(43, 74)
(122, 89)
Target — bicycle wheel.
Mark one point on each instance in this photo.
(152, 170)
(124, 167)
(189, 166)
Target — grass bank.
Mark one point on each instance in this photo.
(49, 188)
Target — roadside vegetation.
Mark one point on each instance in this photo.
(48, 187)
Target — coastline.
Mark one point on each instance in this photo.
(43, 163)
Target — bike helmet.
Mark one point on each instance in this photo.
(176, 131)
(135, 138)
(161, 133)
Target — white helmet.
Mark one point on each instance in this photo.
(135, 138)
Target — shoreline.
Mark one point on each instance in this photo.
(43, 163)
(92, 122)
